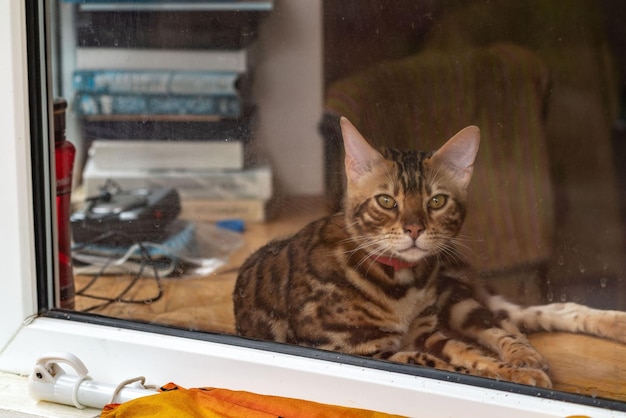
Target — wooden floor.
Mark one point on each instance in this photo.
(578, 364)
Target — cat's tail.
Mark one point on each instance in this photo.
(565, 317)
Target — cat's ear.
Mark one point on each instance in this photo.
(459, 154)
(360, 155)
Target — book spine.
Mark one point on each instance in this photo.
(87, 104)
(156, 82)
(255, 183)
(147, 1)
(129, 59)
(167, 155)
(211, 210)
(240, 128)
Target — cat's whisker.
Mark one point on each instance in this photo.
(368, 242)
(468, 249)
(448, 256)
(448, 252)
(366, 246)
(459, 241)
(378, 249)
(468, 238)
(352, 237)
(349, 240)
(382, 251)
(374, 247)
(362, 261)
(362, 243)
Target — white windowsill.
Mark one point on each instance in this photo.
(16, 403)
(114, 354)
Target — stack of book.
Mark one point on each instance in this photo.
(227, 190)
(158, 82)
(177, 116)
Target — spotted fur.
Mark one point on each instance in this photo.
(382, 278)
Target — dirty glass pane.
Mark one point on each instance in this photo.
(201, 130)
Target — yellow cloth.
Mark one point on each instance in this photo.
(175, 401)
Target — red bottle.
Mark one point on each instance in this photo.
(64, 153)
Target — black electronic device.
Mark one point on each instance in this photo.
(122, 218)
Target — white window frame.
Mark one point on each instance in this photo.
(113, 354)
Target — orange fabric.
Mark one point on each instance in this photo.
(175, 401)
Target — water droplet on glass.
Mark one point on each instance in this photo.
(560, 260)
(581, 268)
(603, 281)
(563, 297)
(550, 296)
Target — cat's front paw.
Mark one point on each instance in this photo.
(524, 356)
(522, 375)
(532, 377)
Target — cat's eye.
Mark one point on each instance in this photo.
(437, 202)
(386, 201)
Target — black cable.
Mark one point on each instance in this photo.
(146, 260)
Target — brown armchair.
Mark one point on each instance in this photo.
(570, 37)
(421, 101)
(536, 77)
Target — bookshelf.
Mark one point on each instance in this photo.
(288, 82)
(142, 84)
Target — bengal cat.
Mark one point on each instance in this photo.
(382, 277)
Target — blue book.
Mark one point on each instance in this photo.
(156, 82)
(87, 104)
(218, 5)
(150, 1)
(142, 59)
(240, 128)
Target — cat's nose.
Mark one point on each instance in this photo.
(414, 230)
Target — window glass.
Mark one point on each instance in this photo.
(189, 134)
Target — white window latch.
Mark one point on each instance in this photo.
(51, 382)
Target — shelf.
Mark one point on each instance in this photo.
(154, 118)
(173, 6)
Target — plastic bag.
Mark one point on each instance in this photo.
(190, 250)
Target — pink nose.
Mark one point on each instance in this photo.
(414, 230)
